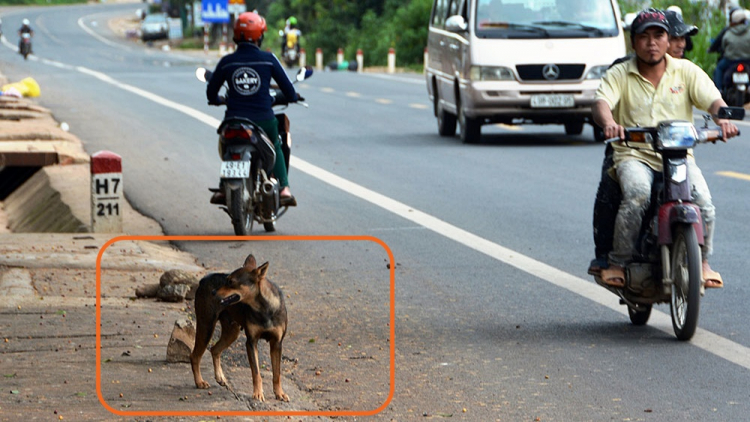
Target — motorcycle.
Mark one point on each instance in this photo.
(736, 81)
(25, 47)
(667, 267)
(248, 157)
(290, 53)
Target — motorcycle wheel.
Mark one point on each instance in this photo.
(242, 220)
(640, 317)
(686, 279)
(735, 97)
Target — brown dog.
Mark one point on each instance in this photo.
(245, 300)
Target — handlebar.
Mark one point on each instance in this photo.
(671, 135)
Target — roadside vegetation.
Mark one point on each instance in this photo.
(39, 2)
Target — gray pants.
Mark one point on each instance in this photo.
(635, 180)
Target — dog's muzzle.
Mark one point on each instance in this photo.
(230, 300)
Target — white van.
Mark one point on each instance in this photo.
(519, 61)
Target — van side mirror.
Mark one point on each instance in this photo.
(456, 23)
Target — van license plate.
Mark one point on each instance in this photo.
(235, 169)
(740, 78)
(552, 101)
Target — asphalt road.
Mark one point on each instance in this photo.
(495, 315)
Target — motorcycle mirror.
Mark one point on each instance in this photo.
(732, 113)
(304, 73)
(200, 73)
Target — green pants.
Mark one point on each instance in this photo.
(271, 127)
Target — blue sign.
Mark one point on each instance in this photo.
(215, 11)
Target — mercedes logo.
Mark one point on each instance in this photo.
(551, 72)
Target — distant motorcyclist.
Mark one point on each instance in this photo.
(25, 29)
(248, 73)
(717, 46)
(292, 35)
(736, 42)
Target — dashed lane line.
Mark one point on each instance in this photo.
(734, 175)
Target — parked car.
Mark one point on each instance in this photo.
(155, 27)
(518, 62)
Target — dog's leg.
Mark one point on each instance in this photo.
(276, 366)
(203, 332)
(252, 357)
(229, 333)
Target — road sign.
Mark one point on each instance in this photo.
(215, 11)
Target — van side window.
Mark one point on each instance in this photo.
(438, 14)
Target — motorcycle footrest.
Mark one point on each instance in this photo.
(214, 190)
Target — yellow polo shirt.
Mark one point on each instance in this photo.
(634, 101)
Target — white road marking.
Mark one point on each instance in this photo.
(383, 101)
(703, 339)
(99, 37)
(419, 106)
(395, 78)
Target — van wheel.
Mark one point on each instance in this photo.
(446, 123)
(471, 129)
(573, 128)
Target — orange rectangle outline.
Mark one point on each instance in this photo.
(392, 327)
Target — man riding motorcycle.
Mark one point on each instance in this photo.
(248, 73)
(608, 195)
(649, 88)
(25, 29)
(291, 37)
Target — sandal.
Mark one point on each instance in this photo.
(597, 265)
(711, 279)
(614, 276)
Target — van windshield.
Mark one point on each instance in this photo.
(545, 19)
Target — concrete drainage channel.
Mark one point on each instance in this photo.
(34, 153)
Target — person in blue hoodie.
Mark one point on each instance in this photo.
(248, 73)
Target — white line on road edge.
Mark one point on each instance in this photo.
(99, 37)
(704, 339)
(414, 81)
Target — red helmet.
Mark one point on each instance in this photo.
(249, 26)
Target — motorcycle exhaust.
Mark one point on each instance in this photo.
(270, 190)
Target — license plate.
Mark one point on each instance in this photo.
(740, 78)
(552, 101)
(235, 169)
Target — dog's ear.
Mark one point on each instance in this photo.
(262, 270)
(250, 263)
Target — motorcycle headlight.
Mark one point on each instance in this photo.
(488, 73)
(597, 72)
(676, 135)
